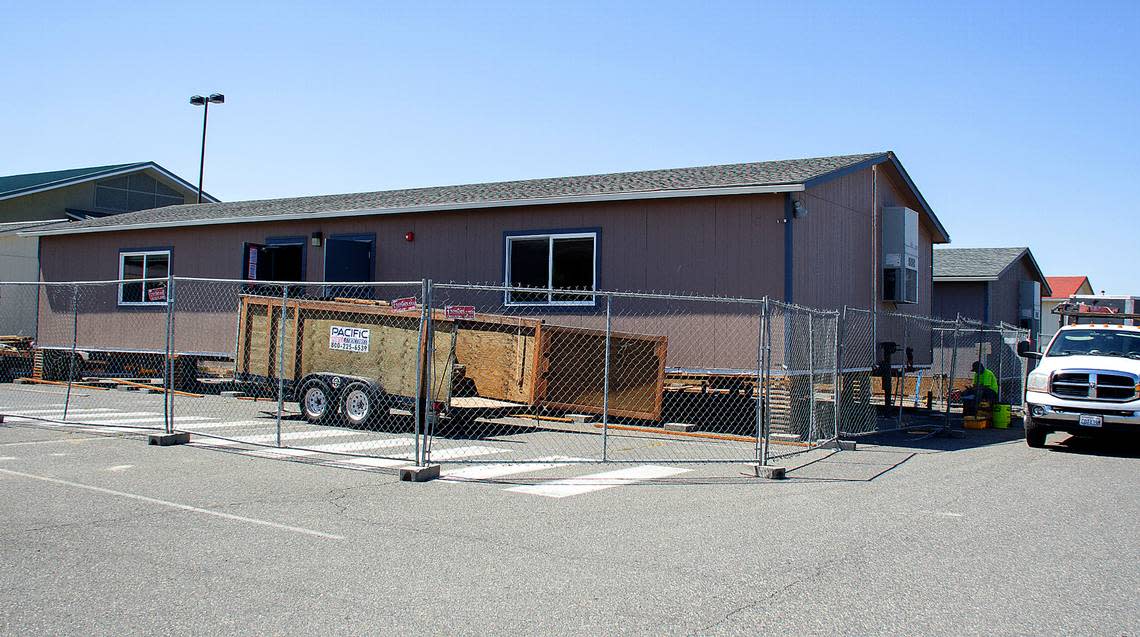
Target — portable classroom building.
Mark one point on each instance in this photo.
(805, 231)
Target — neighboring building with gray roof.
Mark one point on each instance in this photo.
(799, 230)
(992, 285)
(58, 198)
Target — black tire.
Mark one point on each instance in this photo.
(316, 401)
(1035, 434)
(361, 405)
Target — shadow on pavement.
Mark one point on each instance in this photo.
(1113, 445)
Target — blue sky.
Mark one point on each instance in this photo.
(1018, 121)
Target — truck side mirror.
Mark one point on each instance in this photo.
(1025, 350)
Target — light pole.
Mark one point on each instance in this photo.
(198, 100)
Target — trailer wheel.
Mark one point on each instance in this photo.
(316, 401)
(361, 404)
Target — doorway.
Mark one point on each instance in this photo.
(352, 258)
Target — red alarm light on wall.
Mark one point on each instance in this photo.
(409, 236)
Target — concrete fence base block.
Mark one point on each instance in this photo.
(125, 388)
(232, 394)
(769, 472)
(22, 381)
(680, 426)
(845, 445)
(581, 418)
(1, 419)
(167, 440)
(419, 474)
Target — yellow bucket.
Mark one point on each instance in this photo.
(1001, 416)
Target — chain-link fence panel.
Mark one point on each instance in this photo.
(22, 361)
(857, 414)
(331, 368)
(700, 360)
(800, 378)
(519, 377)
(105, 349)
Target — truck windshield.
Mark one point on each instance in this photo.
(1096, 343)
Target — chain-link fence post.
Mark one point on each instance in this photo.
(765, 376)
(425, 308)
(281, 358)
(606, 381)
(760, 359)
(74, 342)
(168, 359)
(953, 370)
(837, 380)
(811, 379)
(429, 349)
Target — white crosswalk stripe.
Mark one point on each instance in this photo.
(293, 435)
(598, 481)
(343, 447)
(459, 453)
(265, 422)
(57, 410)
(87, 417)
(492, 471)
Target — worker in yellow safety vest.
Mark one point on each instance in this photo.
(985, 389)
(985, 378)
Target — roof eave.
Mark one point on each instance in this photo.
(888, 156)
(130, 168)
(506, 203)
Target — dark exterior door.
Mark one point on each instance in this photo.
(350, 258)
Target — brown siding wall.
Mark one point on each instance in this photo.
(967, 298)
(724, 246)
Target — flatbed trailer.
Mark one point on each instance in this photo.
(341, 350)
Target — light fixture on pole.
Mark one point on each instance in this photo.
(198, 100)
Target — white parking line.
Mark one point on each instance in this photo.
(57, 410)
(232, 423)
(492, 471)
(175, 505)
(458, 453)
(295, 435)
(83, 417)
(598, 481)
(376, 462)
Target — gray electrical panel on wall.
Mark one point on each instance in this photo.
(900, 255)
(1029, 305)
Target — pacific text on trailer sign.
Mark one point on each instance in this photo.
(348, 339)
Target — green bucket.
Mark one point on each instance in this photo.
(1001, 416)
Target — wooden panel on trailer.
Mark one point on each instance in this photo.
(572, 372)
(499, 358)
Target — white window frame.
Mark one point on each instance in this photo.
(550, 237)
(145, 254)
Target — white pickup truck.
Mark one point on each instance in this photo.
(1086, 383)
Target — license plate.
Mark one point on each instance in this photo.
(1091, 420)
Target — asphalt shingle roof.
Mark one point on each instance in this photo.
(14, 184)
(769, 173)
(986, 263)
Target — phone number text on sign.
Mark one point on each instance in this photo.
(348, 339)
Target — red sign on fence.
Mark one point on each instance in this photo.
(460, 312)
(156, 294)
(404, 304)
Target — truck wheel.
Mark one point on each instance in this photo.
(316, 401)
(1035, 434)
(360, 404)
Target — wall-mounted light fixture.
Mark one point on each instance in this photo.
(315, 241)
(799, 210)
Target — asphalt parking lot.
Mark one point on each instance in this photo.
(970, 535)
